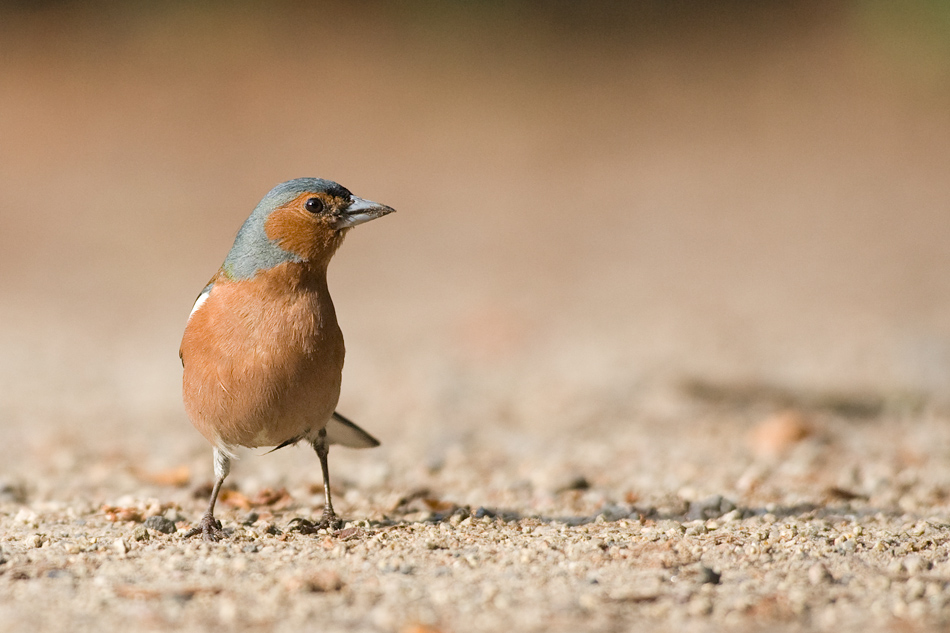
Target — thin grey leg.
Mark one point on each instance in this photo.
(330, 519)
(208, 527)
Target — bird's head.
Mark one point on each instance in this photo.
(301, 220)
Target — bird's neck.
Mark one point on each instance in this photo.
(307, 276)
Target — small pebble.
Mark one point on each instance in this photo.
(320, 582)
(709, 576)
(700, 606)
(26, 517)
(577, 482)
(818, 574)
(160, 524)
(12, 492)
(709, 508)
(914, 564)
(776, 435)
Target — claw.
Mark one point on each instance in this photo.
(330, 522)
(209, 528)
(303, 526)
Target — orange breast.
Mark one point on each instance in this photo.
(263, 358)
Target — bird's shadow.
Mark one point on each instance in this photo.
(615, 513)
(421, 508)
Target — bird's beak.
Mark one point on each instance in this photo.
(361, 211)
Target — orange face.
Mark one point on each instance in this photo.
(307, 225)
(312, 224)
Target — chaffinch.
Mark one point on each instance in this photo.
(262, 351)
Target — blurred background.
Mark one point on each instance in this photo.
(604, 209)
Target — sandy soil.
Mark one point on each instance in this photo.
(659, 337)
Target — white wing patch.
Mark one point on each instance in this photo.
(200, 300)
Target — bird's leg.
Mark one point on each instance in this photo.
(330, 520)
(208, 527)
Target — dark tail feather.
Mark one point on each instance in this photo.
(289, 442)
(343, 431)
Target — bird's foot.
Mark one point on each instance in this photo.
(209, 528)
(330, 522)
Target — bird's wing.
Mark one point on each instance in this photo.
(202, 297)
(343, 432)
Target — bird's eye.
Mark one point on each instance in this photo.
(314, 205)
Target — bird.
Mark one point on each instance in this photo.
(262, 352)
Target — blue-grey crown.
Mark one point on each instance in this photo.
(253, 250)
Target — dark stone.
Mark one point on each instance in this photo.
(708, 576)
(161, 524)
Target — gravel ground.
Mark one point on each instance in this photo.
(827, 524)
(659, 338)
